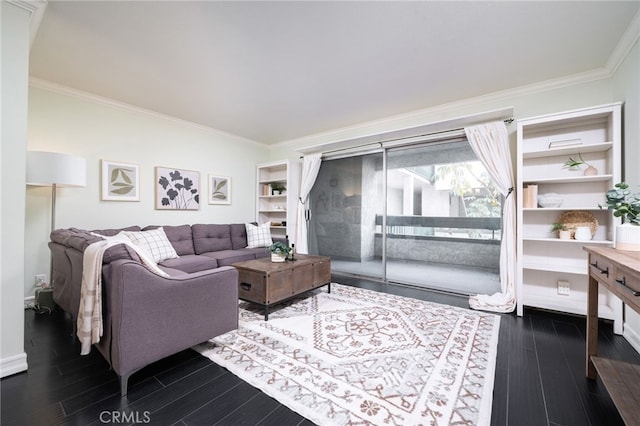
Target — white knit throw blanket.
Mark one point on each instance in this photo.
(90, 310)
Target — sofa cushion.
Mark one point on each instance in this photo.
(154, 242)
(119, 251)
(258, 236)
(180, 237)
(229, 257)
(238, 236)
(190, 263)
(211, 237)
(172, 272)
(258, 252)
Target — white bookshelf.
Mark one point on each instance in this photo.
(543, 258)
(278, 209)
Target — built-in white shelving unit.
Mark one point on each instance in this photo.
(543, 258)
(278, 208)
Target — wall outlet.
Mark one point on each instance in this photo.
(564, 288)
(41, 280)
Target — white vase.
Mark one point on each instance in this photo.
(583, 233)
(277, 257)
(564, 235)
(627, 237)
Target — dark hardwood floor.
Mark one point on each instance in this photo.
(539, 378)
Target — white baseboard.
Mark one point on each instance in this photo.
(13, 364)
(29, 302)
(632, 336)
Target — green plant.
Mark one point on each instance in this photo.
(280, 248)
(559, 227)
(574, 164)
(278, 186)
(624, 204)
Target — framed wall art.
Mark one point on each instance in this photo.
(120, 181)
(177, 189)
(219, 189)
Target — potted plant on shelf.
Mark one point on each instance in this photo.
(563, 232)
(279, 251)
(277, 187)
(573, 164)
(625, 205)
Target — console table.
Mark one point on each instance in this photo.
(619, 272)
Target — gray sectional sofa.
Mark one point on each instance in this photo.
(148, 317)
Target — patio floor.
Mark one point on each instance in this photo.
(458, 279)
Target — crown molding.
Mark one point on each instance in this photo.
(626, 43)
(420, 132)
(86, 96)
(29, 5)
(36, 8)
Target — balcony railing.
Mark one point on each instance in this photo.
(436, 227)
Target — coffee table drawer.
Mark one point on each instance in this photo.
(321, 273)
(252, 286)
(279, 286)
(263, 288)
(302, 278)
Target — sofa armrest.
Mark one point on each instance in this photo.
(148, 317)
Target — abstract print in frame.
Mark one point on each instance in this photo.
(219, 189)
(177, 189)
(120, 181)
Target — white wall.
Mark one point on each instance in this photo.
(626, 87)
(14, 33)
(96, 130)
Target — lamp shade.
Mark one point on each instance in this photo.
(49, 168)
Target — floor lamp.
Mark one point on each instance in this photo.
(55, 170)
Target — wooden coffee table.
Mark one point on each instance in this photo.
(266, 283)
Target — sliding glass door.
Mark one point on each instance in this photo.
(345, 200)
(442, 219)
(425, 215)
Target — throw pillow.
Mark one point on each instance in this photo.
(142, 255)
(154, 242)
(258, 236)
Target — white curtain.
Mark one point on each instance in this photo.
(310, 168)
(490, 142)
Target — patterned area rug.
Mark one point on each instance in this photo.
(359, 357)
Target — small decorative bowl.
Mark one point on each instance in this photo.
(549, 200)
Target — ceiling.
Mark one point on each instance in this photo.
(277, 71)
